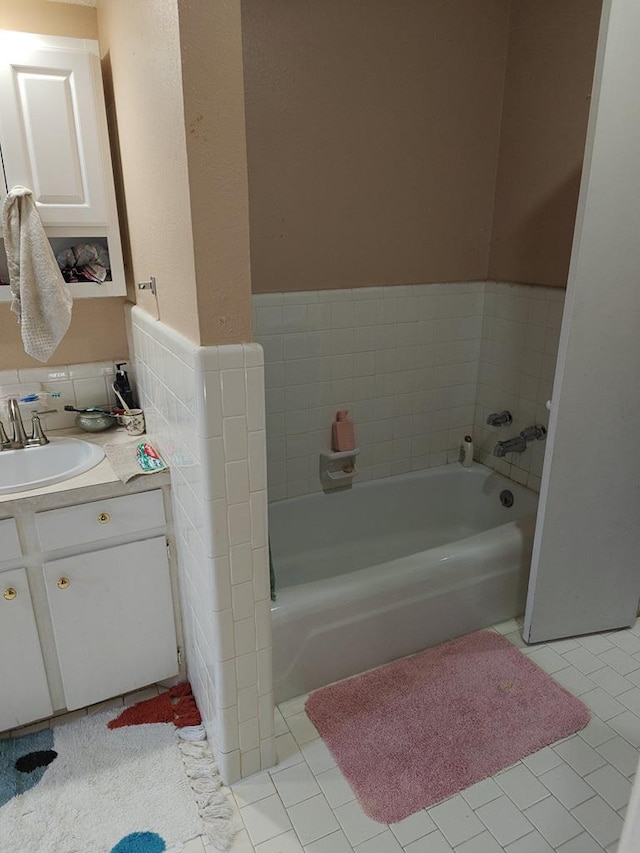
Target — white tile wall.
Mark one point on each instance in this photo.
(417, 366)
(77, 385)
(404, 361)
(520, 334)
(205, 407)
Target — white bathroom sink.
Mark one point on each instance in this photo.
(35, 467)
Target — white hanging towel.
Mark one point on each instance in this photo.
(41, 297)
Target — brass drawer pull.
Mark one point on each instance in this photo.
(104, 518)
(63, 583)
(10, 593)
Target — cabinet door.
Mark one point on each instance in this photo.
(113, 621)
(24, 692)
(9, 542)
(50, 132)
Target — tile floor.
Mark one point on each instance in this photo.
(569, 798)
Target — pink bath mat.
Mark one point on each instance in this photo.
(416, 731)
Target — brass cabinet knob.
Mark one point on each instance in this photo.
(63, 583)
(10, 593)
(104, 518)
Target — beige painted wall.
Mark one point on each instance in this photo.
(373, 136)
(373, 132)
(213, 91)
(53, 19)
(140, 46)
(97, 330)
(552, 48)
(175, 75)
(97, 333)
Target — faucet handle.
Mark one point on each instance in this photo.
(37, 433)
(5, 443)
(537, 431)
(500, 418)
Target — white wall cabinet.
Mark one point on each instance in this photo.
(54, 140)
(87, 612)
(25, 692)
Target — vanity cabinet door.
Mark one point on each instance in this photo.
(9, 542)
(24, 692)
(51, 117)
(113, 620)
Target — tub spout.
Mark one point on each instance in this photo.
(537, 432)
(511, 445)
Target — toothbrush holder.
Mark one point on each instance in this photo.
(133, 421)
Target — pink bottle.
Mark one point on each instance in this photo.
(343, 435)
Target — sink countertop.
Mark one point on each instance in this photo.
(97, 483)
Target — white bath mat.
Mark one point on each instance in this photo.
(84, 788)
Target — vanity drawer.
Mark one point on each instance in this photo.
(92, 522)
(9, 542)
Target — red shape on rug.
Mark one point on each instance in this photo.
(418, 730)
(177, 705)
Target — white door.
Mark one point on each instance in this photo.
(585, 574)
(113, 621)
(24, 692)
(49, 137)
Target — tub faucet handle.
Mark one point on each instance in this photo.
(535, 432)
(497, 419)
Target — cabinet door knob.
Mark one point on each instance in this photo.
(10, 593)
(63, 583)
(104, 518)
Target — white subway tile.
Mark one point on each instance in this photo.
(241, 563)
(247, 670)
(245, 632)
(261, 580)
(234, 431)
(233, 392)
(259, 537)
(239, 524)
(237, 481)
(269, 320)
(220, 582)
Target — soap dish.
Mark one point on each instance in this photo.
(337, 468)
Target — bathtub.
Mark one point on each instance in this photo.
(369, 574)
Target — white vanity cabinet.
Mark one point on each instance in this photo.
(24, 691)
(87, 611)
(9, 542)
(54, 140)
(112, 616)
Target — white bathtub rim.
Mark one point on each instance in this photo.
(476, 469)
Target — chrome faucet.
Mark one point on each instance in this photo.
(5, 443)
(511, 445)
(19, 438)
(536, 432)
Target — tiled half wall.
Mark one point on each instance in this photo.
(418, 367)
(205, 407)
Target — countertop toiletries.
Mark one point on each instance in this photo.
(121, 399)
(122, 386)
(94, 421)
(466, 452)
(343, 435)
